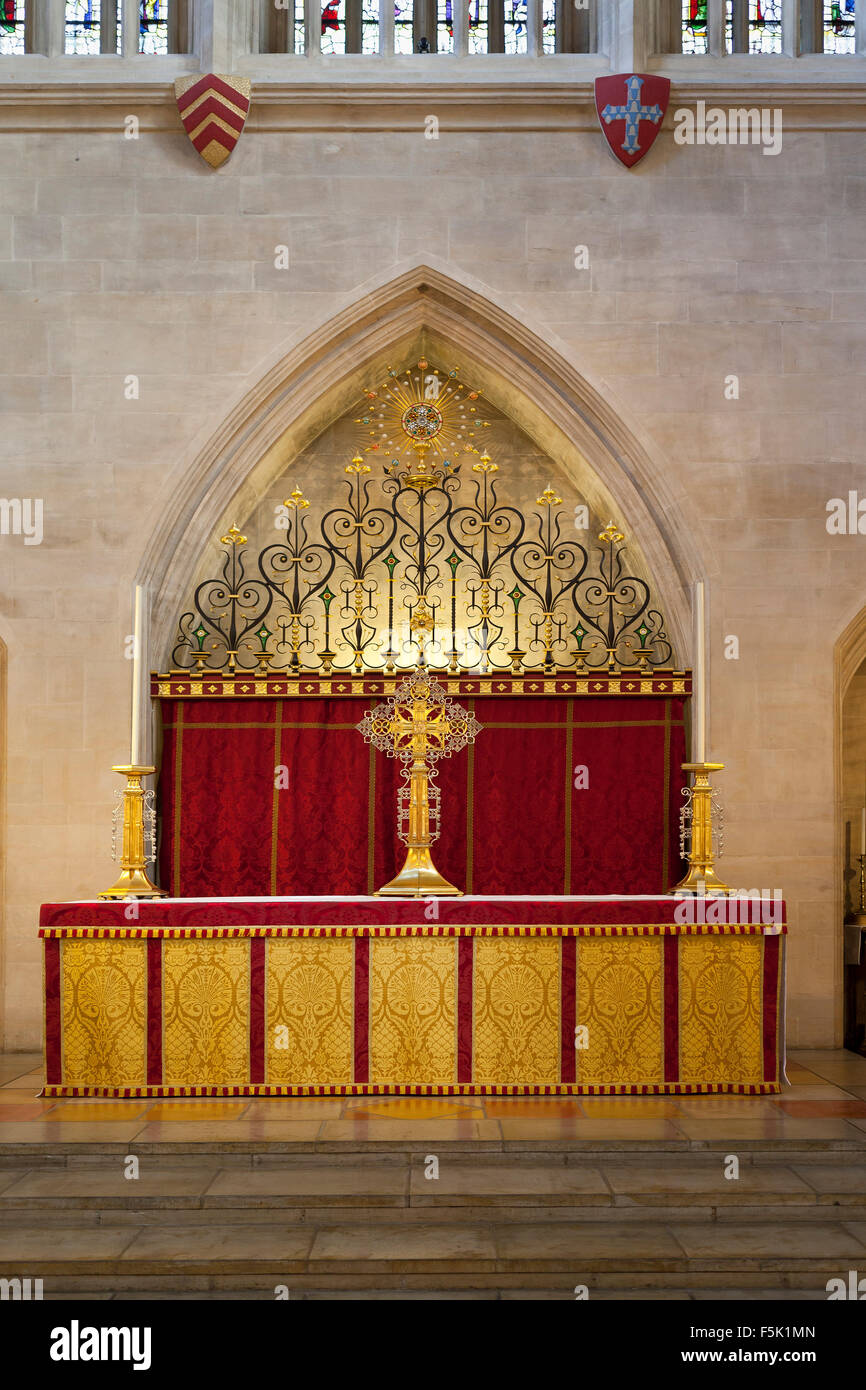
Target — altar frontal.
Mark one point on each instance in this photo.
(357, 997)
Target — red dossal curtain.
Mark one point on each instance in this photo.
(513, 820)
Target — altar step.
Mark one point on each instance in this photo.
(532, 1224)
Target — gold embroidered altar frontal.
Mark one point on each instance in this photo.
(382, 1007)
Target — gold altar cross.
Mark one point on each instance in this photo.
(419, 725)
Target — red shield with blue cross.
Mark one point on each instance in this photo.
(631, 107)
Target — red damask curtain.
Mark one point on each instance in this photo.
(513, 820)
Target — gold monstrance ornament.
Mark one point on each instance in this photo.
(419, 725)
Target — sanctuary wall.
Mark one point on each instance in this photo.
(142, 303)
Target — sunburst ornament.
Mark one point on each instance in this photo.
(420, 409)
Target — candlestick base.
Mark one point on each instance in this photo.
(701, 877)
(133, 880)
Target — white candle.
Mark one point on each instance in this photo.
(699, 688)
(136, 751)
(863, 831)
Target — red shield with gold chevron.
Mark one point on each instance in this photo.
(213, 109)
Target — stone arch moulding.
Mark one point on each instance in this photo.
(848, 656)
(321, 378)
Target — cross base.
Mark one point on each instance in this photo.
(419, 878)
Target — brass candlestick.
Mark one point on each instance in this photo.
(701, 876)
(133, 880)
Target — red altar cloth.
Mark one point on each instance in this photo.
(326, 996)
(513, 819)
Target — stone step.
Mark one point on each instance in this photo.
(253, 1153)
(491, 1225)
(453, 1255)
(404, 1295)
(647, 1190)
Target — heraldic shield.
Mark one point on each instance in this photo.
(631, 107)
(213, 109)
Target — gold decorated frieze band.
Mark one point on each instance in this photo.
(465, 929)
(762, 1088)
(178, 686)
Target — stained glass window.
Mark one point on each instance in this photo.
(478, 26)
(84, 26)
(477, 20)
(838, 26)
(370, 26)
(445, 26)
(548, 26)
(765, 26)
(403, 37)
(694, 26)
(515, 26)
(153, 26)
(12, 26)
(334, 26)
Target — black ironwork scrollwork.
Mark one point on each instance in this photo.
(423, 560)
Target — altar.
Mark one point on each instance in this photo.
(317, 996)
(417, 670)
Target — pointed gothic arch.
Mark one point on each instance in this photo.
(520, 371)
(848, 656)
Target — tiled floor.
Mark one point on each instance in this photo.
(825, 1101)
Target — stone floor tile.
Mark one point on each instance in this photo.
(590, 1129)
(34, 1078)
(238, 1131)
(44, 1131)
(410, 1108)
(638, 1296)
(823, 1091)
(229, 1243)
(381, 1130)
(774, 1240)
(197, 1111)
(530, 1108)
(15, 1064)
(585, 1240)
(851, 1109)
(656, 1176)
(504, 1183)
(760, 1295)
(396, 1296)
(403, 1243)
(157, 1179)
(10, 1176)
(29, 1109)
(630, 1107)
(800, 1075)
(84, 1112)
(283, 1108)
(18, 1243)
(780, 1128)
(723, 1107)
(848, 1177)
(316, 1179)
